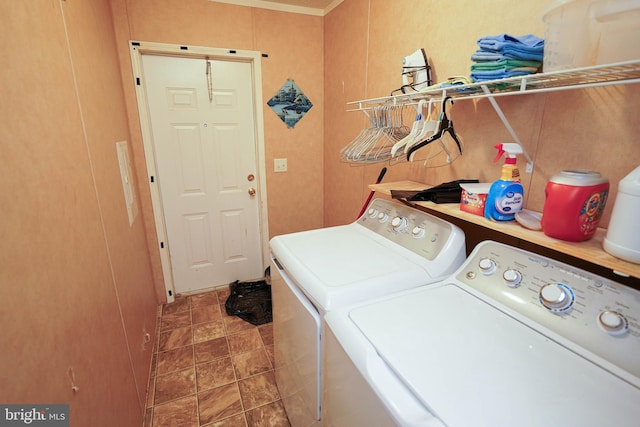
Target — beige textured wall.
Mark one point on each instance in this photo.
(294, 44)
(76, 278)
(589, 128)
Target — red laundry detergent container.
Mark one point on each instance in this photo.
(575, 200)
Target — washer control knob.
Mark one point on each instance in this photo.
(372, 212)
(487, 266)
(418, 232)
(613, 322)
(512, 278)
(399, 223)
(383, 217)
(556, 297)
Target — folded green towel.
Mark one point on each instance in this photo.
(504, 64)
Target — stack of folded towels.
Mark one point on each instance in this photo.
(506, 56)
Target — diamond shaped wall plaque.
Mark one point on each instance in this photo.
(289, 103)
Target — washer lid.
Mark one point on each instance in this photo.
(471, 364)
(341, 265)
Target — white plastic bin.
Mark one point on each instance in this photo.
(568, 41)
(616, 30)
(581, 33)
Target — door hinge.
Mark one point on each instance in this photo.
(161, 245)
(151, 178)
(170, 293)
(135, 43)
(184, 47)
(232, 51)
(138, 81)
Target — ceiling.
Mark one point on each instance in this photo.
(309, 7)
(314, 4)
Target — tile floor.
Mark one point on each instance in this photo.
(210, 369)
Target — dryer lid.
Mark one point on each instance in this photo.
(340, 265)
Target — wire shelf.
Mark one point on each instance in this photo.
(620, 73)
(627, 72)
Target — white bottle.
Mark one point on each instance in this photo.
(623, 235)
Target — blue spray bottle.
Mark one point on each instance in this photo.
(506, 195)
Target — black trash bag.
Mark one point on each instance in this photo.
(250, 301)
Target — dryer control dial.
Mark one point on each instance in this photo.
(418, 232)
(487, 266)
(372, 212)
(557, 297)
(613, 322)
(512, 278)
(383, 217)
(399, 224)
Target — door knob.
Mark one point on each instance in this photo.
(252, 192)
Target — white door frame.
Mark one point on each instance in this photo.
(137, 49)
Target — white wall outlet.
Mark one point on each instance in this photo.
(280, 165)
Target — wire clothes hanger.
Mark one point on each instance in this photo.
(444, 126)
(374, 143)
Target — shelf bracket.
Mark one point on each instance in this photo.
(494, 103)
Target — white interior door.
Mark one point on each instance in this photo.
(204, 144)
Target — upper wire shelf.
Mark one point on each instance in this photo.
(627, 72)
(370, 147)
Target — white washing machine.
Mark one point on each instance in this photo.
(392, 247)
(511, 339)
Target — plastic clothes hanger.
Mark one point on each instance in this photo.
(444, 126)
(428, 128)
(416, 129)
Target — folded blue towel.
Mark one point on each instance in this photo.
(486, 56)
(495, 43)
(505, 56)
(527, 47)
(478, 76)
(517, 53)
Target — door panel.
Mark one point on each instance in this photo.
(189, 168)
(199, 250)
(204, 150)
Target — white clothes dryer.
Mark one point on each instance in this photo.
(511, 339)
(390, 248)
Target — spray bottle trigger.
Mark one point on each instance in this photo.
(500, 152)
